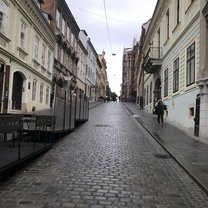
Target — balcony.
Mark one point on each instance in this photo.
(153, 60)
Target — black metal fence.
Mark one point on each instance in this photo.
(24, 135)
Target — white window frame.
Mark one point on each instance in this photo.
(49, 60)
(43, 54)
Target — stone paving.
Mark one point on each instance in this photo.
(108, 162)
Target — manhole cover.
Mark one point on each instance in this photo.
(162, 156)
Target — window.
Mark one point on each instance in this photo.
(167, 24)
(158, 38)
(62, 56)
(190, 65)
(47, 96)
(49, 61)
(23, 35)
(176, 75)
(68, 34)
(3, 16)
(72, 39)
(43, 54)
(178, 12)
(36, 48)
(191, 111)
(34, 87)
(41, 93)
(56, 51)
(166, 83)
(63, 26)
(58, 19)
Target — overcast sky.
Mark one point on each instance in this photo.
(112, 34)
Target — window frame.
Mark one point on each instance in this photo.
(167, 18)
(176, 75)
(166, 83)
(190, 64)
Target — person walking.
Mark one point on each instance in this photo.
(161, 107)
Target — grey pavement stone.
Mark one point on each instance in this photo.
(107, 162)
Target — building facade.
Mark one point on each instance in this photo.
(26, 56)
(81, 67)
(127, 94)
(91, 66)
(66, 59)
(138, 66)
(172, 61)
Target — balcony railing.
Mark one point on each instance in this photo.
(153, 60)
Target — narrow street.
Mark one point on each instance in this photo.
(108, 162)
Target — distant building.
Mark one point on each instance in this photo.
(81, 67)
(128, 91)
(26, 56)
(102, 74)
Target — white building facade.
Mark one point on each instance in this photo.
(91, 67)
(172, 60)
(26, 56)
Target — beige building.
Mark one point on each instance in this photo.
(175, 46)
(26, 56)
(102, 76)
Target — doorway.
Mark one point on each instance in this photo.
(197, 117)
(157, 90)
(17, 91)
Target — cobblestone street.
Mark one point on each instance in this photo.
(108, 162)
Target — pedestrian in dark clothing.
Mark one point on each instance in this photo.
(160, 110)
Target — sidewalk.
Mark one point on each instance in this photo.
(189, 153)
